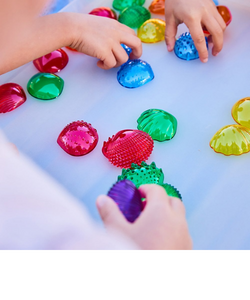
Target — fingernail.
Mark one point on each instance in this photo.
(169, 48)
(102, 200)
(205, 60)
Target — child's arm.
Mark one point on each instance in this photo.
(195, 13)
(161, 225)
(28, 36)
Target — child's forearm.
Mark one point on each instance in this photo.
(36, 37)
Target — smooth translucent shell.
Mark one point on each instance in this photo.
(45, 86)
(231, 140)
(134, 16)
(127, 147)
(104, 12)
(159, 124)
(157, 7)
(143, 174)
(171, 190)
(241, 112)
(225, 14)
(53, 62)
(152, 31)
(122, 4)
(128, 199)
(185, 49)
(12, 96)
(135, 73)
(78, 138)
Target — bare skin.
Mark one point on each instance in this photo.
(195, 14)
(28, 35)
(161, 226)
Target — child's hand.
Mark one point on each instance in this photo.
(161, 225)
(195, 14)
(102, 38)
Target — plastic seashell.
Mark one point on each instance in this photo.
(216, 2)
(127, 147)
(231, 140)
(104, 12)
(171, 191)
(45, 86)
(135, 73)
(185, 49)
(157, 7)
(12, 96)
(143, 174)
(128, 199)
(134, 16)
(53, 62)
(241, 112)
(127, 49)
(159, 124)
(152, 31)
(72, 49)
(122, 4)
(78, 138)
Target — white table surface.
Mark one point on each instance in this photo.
(215, 188)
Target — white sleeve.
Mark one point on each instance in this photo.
(37, 213)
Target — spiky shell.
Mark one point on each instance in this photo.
(128, 198)
(143, 174)
(241, 112)
(171, 190)
(128, 146)
(231, 140)
(78, 138)
(159, 124)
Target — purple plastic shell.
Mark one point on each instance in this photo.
(128, 199)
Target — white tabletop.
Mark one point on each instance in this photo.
(215, 188)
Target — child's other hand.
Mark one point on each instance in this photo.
(102, 38)
(195, 14)
(161, 225)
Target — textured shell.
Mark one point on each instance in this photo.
(128, 198)
(78, 138)
(104, 12)
(45, 86)
(152, 31)
(171, 190)
(135, 73)
(159, 124)
(143, 174)
(157, 7)
(12, 96)
(122, 4)
(231, 140)
(134, 16)
(53, 62)
(185, 49)
(127, 147)
(241, 112)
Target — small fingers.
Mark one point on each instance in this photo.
(153, 193)
(108, 62)
(177, 205)
(170, 33)
(120, 55)
(134, 43)
(199, 40)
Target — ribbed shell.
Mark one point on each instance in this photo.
(78, 138)
(134, 16)
(231, 140)
(104, 12)
(127, 147)
(12, 96)
(157, 7)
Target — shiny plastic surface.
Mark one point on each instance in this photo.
(143, 174)
(53, 62)
(128, 146)
(231, 140)
(122, 4)
(127, 49)
(12, 96)
(134, 16)
(171, 190)
(135, 73)
(185, 48)
(78, 138)
(157, 7)
(241, 112)
(45, 86)
(159, 124)
(152, 31)
(104, 12)
(128, 199)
